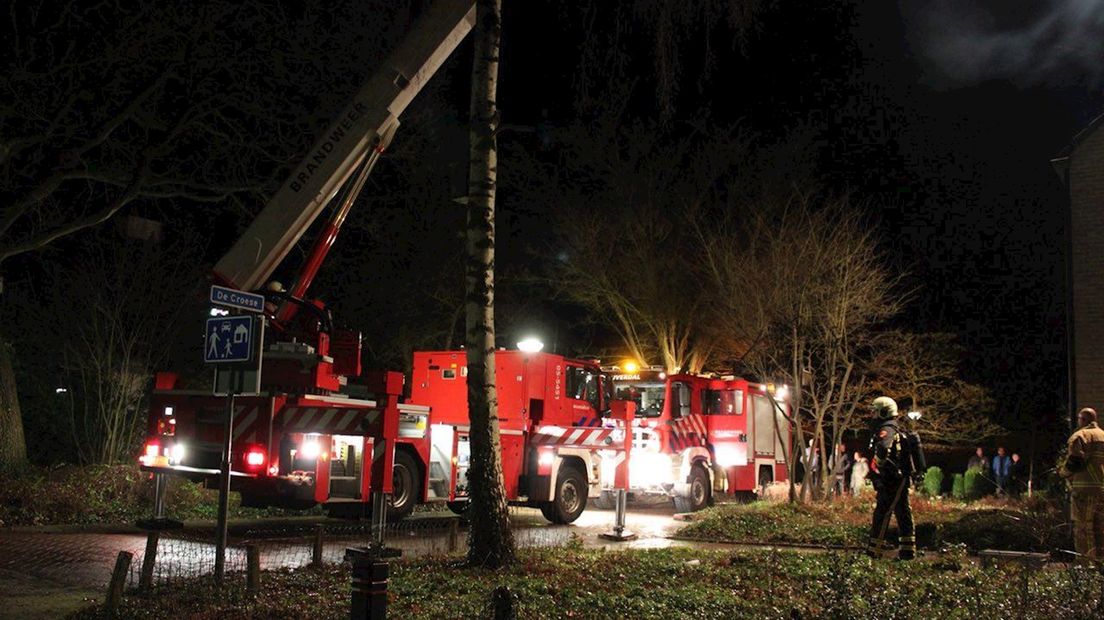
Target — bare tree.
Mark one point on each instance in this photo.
(99, 325)
(924, 370)
(184, 103)
(625, 251)
(809, 291)
(491, 543)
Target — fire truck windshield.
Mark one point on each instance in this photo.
(647, 396)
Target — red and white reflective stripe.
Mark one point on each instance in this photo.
(572, 436)
(700, 421)
(333, 420)
(246, 423)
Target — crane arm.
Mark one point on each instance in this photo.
(356, 138)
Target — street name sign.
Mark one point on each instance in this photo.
(233, 298)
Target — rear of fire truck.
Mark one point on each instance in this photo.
(317, 428)
(696, 436)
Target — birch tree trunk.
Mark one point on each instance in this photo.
(13, 448)
(490, 543)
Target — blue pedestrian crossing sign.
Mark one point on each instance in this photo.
(229, 339)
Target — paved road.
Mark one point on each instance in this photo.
(45, 574)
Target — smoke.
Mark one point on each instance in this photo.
(1039, 41)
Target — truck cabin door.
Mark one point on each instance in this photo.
(583, 395)
(723, 409)
(727, 421)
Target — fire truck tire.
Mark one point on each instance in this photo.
(699, 494)
(459, 507)
(571, 496)
(404, 489)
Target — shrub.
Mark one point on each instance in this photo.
(933, 481)
(975, 484)
(958, 486)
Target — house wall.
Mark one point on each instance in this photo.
(1086, 187)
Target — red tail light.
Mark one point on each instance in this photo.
(255, 458)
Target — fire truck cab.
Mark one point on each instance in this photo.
(696, 435)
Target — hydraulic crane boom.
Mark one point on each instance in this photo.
(354, 141)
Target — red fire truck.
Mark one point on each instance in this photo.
(697, 435)
(560, 443)
(319, 428)
(316, 425)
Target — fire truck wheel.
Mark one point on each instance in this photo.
(459, 507)
(571, 496)
(404, 493)
(699, 491)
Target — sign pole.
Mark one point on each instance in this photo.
(224, 479)
(236, 343)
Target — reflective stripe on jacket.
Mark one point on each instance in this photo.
(1087, 446)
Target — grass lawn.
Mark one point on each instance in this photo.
(570, 582)
(986, 524)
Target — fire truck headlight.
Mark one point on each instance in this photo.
(730, 456)
(150, 453)
(310, 449)
(176, 455)
(545, 459)
(648, 469)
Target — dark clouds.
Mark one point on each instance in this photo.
(1057, 42)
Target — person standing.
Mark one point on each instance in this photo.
(1002, 465)
(859, 471)
(1017, 475)
(841, 468)
(891, 470)
(1084, 470)
(979, 462)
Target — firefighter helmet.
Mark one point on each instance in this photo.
(885, 407)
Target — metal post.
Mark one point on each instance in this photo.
(252, 568)
(379, 519)
(149, 561)
(619, 532)
(624, 411)
(316, 552)
(159, 496)
(454, 535)
(224, 480)
(622, 499)
(118, 580)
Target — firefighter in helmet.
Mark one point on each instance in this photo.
(890, 471)
(1084, 469)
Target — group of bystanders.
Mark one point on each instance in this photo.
(1009, 474)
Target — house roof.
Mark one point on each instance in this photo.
(1079, 138)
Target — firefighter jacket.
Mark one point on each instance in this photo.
(1084, 467)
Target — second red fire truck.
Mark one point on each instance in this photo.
(696, 436)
